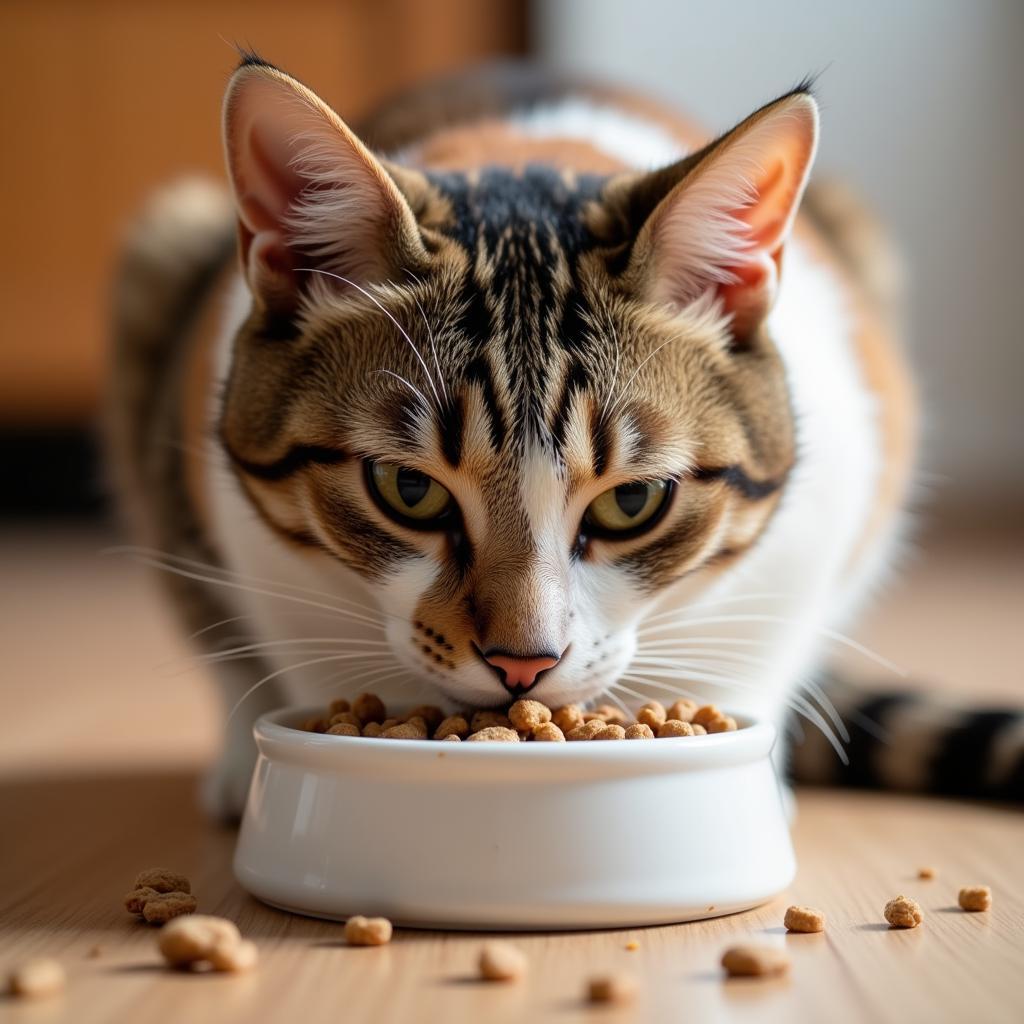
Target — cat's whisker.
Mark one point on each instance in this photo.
(644, 362)
(280, 672)
(675, 652)
(622, 707)
(241, 618)
(216, 570)
(412, 387)
(343, 656)
(700, 641)
(401, 330)
(708, 675)
(342, 613)
(699, 604)
(271, 646)
(615, 374)
(824, 631)
(430, 335)
(677, 691)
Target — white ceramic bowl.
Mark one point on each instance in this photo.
(513, 836)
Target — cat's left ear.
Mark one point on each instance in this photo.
(719, 219)
(308, 193)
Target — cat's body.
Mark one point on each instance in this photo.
(796, 486)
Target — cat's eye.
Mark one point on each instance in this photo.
(408, 493)
(628, 508)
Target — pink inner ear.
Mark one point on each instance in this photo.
(749, 298)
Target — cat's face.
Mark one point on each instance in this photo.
(507, 434)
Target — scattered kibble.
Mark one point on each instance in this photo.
(632, 945)
(754, 961)
(36, 979)
(721, 723)
(616, 988)
(639, 731)
(160, 895)
(975, 898)
(567, 718)
(344, 729)
(367, 931)
(548, 732)
(804, 919)
(527, 715)
(162, 880)
(652, 715)
(454, 725)
(528, 721)
(199, 941)
(489, 720)
(585, 731)
(903, 912)
(368, 707)
(682, 710)
(494, 733)
(501, 961)
(926, 873)
(673, 727)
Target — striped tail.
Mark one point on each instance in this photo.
(917, 742)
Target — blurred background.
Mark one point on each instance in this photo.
(106, 99)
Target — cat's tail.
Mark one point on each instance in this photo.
(918, 742)
(860, 241)
(173, 253)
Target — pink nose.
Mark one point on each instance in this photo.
(519, 673)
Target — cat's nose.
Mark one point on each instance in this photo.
(519, 674)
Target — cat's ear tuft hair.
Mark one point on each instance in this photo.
(726, 212)
(308, 193)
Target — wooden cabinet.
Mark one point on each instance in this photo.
(104, 99)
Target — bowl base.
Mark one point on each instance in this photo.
(545, 921)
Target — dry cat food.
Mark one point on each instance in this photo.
(612, 988)
(501, 961)
(367, 931)
(525, 721)
(975, 897)
(754, 961)
(35, 979)
(804, 919)
(903, 912)
(203, 942)
(159, 895)
(926, 873)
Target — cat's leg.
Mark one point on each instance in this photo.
(226, 785)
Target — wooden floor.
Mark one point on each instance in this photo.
(102, 739)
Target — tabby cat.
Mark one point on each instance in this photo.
(521, 390)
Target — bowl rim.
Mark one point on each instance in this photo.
(279, 739)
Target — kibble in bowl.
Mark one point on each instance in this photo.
(433, 818)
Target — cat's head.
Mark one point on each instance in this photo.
(519, 404)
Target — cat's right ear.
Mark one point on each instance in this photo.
(308, 193)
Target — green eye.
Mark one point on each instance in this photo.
(408, 492)
(628, 507)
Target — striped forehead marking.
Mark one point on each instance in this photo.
(523, 307)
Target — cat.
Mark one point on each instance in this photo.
(524, 389)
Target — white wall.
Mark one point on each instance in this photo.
(922, 111)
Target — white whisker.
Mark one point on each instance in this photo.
(231, 574)
(207, 578)
(699, 605)
(430, 336)
(405, 334)
(831, 634)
